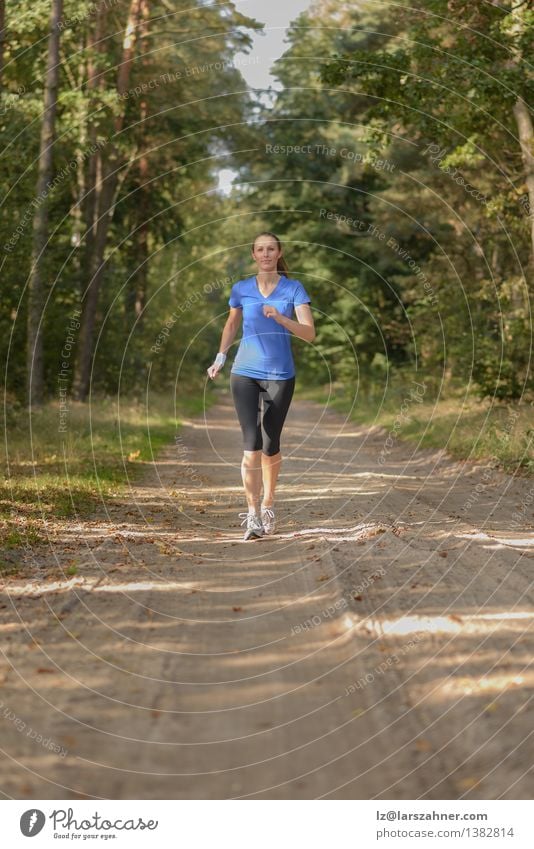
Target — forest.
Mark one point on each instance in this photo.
(394, 158)
(194, 607)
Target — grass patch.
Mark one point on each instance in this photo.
(8, 570)
(466, 427)
(15, 537)
(52, 474)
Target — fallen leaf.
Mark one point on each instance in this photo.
(43, 669)
(357, 597)
(25, 790)
(423, 745)
(468, 783)
(163, 548)
(237, 609)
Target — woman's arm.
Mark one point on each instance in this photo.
(230, 328)
(304, 328)
(229, 331)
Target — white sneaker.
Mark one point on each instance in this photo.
(268, 520)
(254, 525)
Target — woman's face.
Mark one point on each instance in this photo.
(266, 253)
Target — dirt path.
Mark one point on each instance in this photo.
(377, 647)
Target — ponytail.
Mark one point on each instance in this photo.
(281, 265)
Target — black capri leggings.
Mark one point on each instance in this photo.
(261, 428)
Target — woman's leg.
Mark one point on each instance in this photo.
(270, 468)
(277, 395)
(246, 396)
(251, 474)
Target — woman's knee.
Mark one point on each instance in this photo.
(271, 449)
(251, 458)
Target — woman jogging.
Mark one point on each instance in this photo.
(263, 370)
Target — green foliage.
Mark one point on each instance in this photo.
(185, 109)
(444, 77)
(388, 161)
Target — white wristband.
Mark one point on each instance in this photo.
(220, 359)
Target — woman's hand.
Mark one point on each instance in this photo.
(217, 365)
(272, 312)
(214, 370)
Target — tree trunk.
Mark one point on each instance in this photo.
(34, 354)
(2, 37)
(526, 140)
(137, 285)
(87, 180)
(106, 180)
(142, 270)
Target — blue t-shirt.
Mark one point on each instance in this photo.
(265, 348)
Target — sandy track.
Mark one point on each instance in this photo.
(377, 647)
